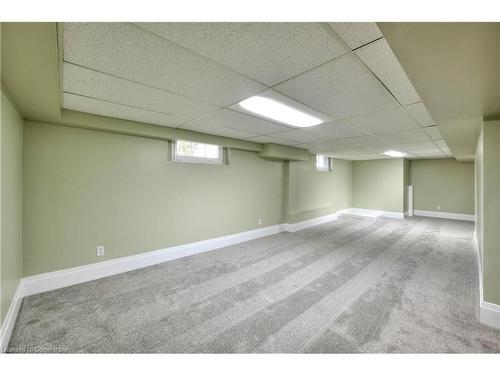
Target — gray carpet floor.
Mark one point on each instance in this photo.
(348, 286)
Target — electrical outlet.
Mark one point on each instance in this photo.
(99, 251)
(259, 222)
(438, 208)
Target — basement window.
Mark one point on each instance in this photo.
(322, 163)
(196, 152)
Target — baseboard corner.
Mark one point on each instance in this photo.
(11, 317)
(489, 314)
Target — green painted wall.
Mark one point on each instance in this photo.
(491, 211)
(84, 188)
(312, 193)
(406, 183)
(11, 138)
(378, 184)
(446, 183)
(478, 194)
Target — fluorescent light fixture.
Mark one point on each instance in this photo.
(275, 110)
(394, 154)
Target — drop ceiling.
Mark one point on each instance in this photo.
(192, 75)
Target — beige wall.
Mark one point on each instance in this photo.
(445, 183)
(313, 193)
(378, 185)
(11, 138)
(490, 222)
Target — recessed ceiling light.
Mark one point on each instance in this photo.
(394, 154)
(277, 111)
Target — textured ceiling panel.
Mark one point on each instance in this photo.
(220, 131)
(355, 152)
(425, 145)
(295, 136)
(365, 141)
(98, 107)
(441, 143)
(268, 139)
(129, 52)
(332, 130)
(433, 132)
(380, 59)
(236, 120)
(331, 145)
(404, 136)
(342, 88)
(356, 34)
(86, 82)
(430, 153)
(385, 121)
(359, 154)
(420, 113)
(267, 52)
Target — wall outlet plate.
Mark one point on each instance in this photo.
(99, 251)
(259, 222)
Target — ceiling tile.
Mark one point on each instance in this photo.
(369, 157)
(230, 119)
(86, 82)
(415, 146)
(269, 139)
(332, 130)
(331, 145)
(220, 131)
(380, 59)
(356, 152)
(356, 34)
(430, 153)
(441, 143)
(295, 136)
(404, 136)
(102, 108)
(363, 141)
(130, 52)
(384, 121)
(420, 113)
(268, 52)
(446, 150)
(433, 132)
(341, 88)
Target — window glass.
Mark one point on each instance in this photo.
(197, 152)
(322, 163)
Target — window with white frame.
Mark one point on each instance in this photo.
(196, 152)
(322, 163)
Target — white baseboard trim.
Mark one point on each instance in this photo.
(10, 318)
(71, 276)
(444, 215)
(372, 213)
(489, 313)
(310, 223)
(76, 275)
